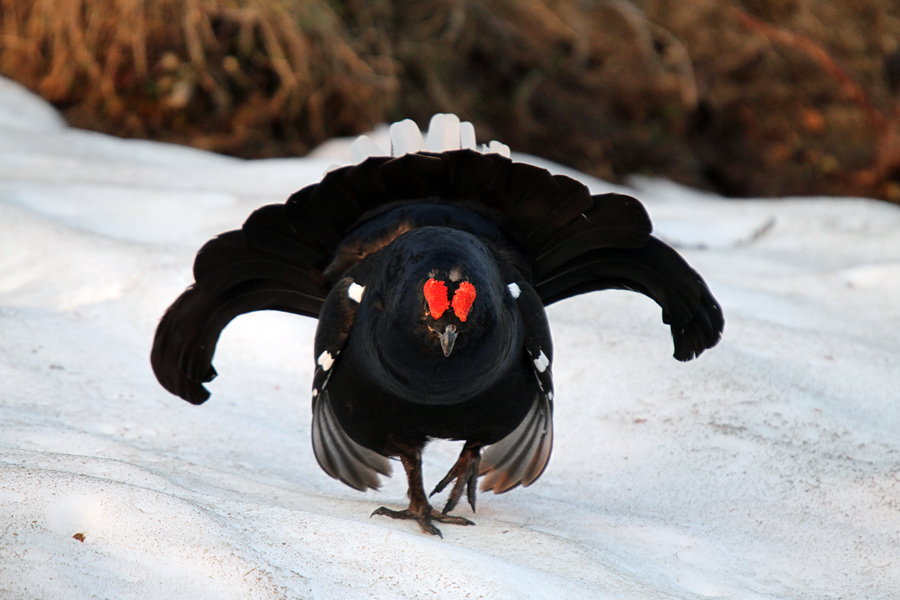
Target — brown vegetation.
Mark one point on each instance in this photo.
(246, 78)
(753, 97)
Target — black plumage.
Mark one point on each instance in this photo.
(429, 274)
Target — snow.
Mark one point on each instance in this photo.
(768, 468)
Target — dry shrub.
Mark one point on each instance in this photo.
(595, 85)
(796, 95)
(761, 98)
(745, 97)
(247, 78)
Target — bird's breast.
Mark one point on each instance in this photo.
(410, 367)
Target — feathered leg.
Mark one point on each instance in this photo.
(465, 472)
(419, 509)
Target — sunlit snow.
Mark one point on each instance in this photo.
(768, 468)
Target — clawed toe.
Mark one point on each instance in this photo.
(465, 472)
(424, 519)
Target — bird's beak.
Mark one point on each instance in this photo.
(448, 338)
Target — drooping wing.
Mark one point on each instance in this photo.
(337, 454)
(522, 456)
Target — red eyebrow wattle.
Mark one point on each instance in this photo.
(463, 299)
(436, 296)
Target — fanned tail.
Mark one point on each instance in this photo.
(576, 242)
(288, 256)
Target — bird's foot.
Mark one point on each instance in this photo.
(423, 517)
(465, 472)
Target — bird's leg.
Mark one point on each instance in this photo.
(419, 509)
(465, 472)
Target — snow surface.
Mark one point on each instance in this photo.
(768, 468)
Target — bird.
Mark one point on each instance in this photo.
(429, 268)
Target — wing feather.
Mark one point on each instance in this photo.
(521, 457)
(341, 457)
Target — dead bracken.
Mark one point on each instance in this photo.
(744, 98)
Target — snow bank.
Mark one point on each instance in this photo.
(766, 469)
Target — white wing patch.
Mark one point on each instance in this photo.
(355, 292)
(514, 290)
(540, 363)
(326, 360)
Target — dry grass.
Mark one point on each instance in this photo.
(746, 97)
(762, 97)
(242, 77)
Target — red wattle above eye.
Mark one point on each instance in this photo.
(463, 299)
(436, 296)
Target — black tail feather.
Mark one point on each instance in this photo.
(226, 261)
(614, 221)
(573, 242)
(232, 278)
(187, 335)
(293, 232)
(655, 270)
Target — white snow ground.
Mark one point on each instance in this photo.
(768, 468)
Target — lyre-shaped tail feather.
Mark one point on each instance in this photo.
(655, 270)
(232, 279)
(537, 209)
(576, 242)
(573, 242)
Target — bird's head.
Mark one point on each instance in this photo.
(448, 299)
(437, 321)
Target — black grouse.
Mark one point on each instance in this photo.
(429, 273)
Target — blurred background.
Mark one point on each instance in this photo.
(741, 97)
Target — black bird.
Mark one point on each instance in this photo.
(429, 274)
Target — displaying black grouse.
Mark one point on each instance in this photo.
(429, 274)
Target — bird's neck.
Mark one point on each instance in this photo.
(414, 370)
